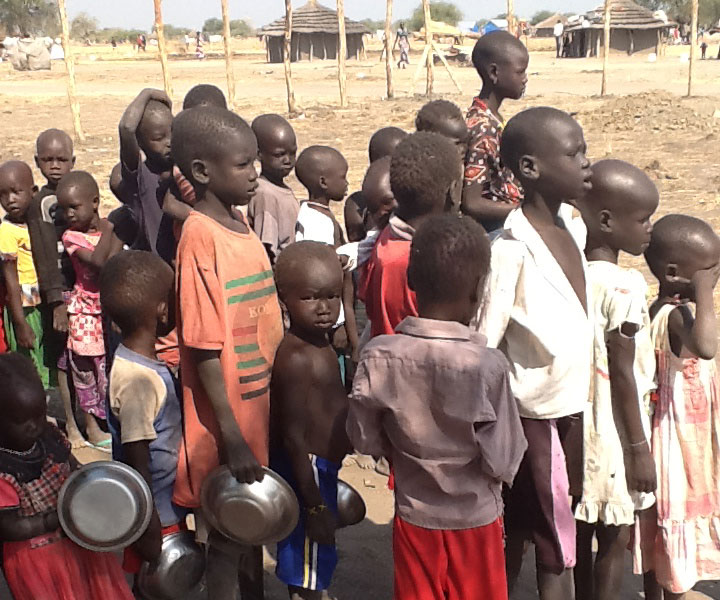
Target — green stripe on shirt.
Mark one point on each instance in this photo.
(247, 348)
(266, 291)
(248, 280)
(249, 364)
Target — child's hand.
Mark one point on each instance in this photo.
(60, 318)
(159, 95)
(25, 336)
(321, 525)
(640, 470)
(242, 462)
(105, 226)
(704, 280)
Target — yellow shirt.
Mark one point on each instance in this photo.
(15, 245)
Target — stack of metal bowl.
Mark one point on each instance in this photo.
(177, 572)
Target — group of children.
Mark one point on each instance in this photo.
(520, 389)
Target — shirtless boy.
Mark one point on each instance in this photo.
(308, 412)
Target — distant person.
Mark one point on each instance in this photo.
(199, 51)
(558, 32)
(402, 41)
(113, 43)
(703, 49)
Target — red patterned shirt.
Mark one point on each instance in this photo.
(483, 164)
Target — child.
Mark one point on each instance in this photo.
(89, 241)
(136, 290)
(426, 179)
(25, 321)
(323, 172)
(445, 118)
(382, 144)
(145, 126)
(204, 94)
(536, 313)
(308, 414)
(437, 402)
(491, 189)
(684, 256)
(617, 213)
(229, 327)
(274, 210)
(35, 460)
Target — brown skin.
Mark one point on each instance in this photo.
(308, 400)
(378, 194)
(16, 191)
(54, 156)
(277, 148)
(457, 131)
(617, 213)
(502, 79)
(151, 134)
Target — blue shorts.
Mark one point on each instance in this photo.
(300, 561)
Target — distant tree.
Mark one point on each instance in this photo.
(373, 25)
(30, 16)
(213, 26)
(173, 32)
(541, 15)
(120, 35)
(241, 28)
(83, 26)
(679, 10)
(447, 12)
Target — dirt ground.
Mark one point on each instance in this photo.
(646, 120)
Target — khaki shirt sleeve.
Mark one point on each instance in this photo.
(136, 397)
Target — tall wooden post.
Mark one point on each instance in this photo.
(162, 48)
(693, 44)
(287, 48)
(230, 75)
(388, 49)
(428, 48)
(342, 52)
(606, 47)
(70, 66)
(511, 17)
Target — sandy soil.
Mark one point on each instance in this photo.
(645, 120)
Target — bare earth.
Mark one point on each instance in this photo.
(645, 121)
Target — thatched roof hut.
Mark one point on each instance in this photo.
(314, 34)
(545, 28)
(633, 28)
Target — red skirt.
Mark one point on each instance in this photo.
(61, 570)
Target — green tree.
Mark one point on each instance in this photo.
(174, 32)
(446, 12)
(83, 26)
(241, 28)
(373, 25)
(29, 16)
(541, 15)
(213, 25)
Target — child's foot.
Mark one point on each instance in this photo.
(96, 436)
(76, 439)
(383, 467)
(364, 461)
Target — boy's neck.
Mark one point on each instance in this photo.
(492, 99)
(542, 212)
(319, 199)
(211, 206)
(142, 342)
(275, 180)
(595, 250)
(49, 185)
(444, 311)
(317, 339)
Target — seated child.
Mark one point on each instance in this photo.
(89, 241)
(27, 327)
(323, 172)
(273, 211)
(382, 144)
(136, 291)
(426, 179)
(145, 127)
(684, 256)
(617, 212)
(39, 561)
(491, 189)
(308, 413)
(229, 327)
(536, 312)
(437, 403)
(445, 118)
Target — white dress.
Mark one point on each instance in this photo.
(618, 296)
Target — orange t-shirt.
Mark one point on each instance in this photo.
(227, 301)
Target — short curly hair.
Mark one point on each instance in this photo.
(423, 167)
(431, 116)
(447, 255)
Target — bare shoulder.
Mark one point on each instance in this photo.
(293, 360)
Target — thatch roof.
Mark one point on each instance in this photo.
(624, 14)
(550, 22)
(313, 18)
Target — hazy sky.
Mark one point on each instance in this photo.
(192, 13)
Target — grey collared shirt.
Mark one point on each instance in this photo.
(437, 403)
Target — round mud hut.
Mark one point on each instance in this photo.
(314, 35)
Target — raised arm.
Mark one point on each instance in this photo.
(130, 121)
(105, 249)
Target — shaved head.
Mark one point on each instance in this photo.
(51, 137)
(619, 186)
(80, 180)
(384, 141)
(316, 162)
(18, 171)
(496, 47)
(272, 130)
(298, 261)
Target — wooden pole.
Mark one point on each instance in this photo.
(510, 17)
(389, 59)
(428, 49)
(693, 44)
(287, 48)
(230, 75)
(606, 47)
(162, 48)
(342, 52)
(441, 55)
(70, 66)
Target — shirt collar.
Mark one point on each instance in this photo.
(440, 330)
(401, 229)
(481, 106)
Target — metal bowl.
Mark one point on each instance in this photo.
(105, 506)
(263, 512)
(177, 571)
(351, 506)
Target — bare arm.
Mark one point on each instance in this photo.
(23, 333)
(235, 453)
(104, 250)
(173, 206)
(15, 528)
(640, 467)
(350, 322)
(137, 455)
(483, 209)
(129, 148)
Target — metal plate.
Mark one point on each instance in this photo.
(351, 506)
(260, 513)
(105, 506)
(178, 570)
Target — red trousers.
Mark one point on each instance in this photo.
(438, 564)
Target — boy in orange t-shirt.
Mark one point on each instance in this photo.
(229, 327)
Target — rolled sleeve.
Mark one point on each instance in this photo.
(364, 422)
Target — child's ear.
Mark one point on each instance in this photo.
(96, 203)
(454, 197)
(72, 161)
(605, 220)
(200, 172)
(322, 184)
(529, 167)
(671, 270)
(493, 73)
